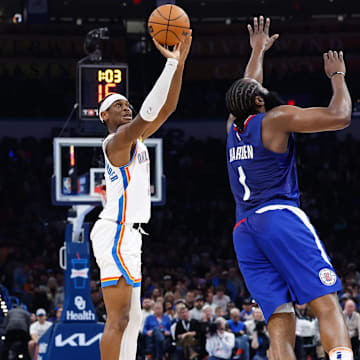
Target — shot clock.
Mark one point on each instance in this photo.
(95, 81)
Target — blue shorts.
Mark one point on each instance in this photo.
(282, 258)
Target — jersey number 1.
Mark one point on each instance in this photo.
(242, 178)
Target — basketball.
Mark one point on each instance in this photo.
(169, 24)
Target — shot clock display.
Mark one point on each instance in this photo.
(95, 81)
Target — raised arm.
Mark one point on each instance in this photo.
(155, 109)
(334, 117)
(260, 42)
(182, 51)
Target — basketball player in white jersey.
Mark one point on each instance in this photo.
(116, 241)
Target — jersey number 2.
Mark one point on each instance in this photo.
(242, 179)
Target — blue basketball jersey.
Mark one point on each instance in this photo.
(257, 175)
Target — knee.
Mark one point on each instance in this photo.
(118, 323)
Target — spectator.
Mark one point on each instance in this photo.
(260, 341)
(147, 309)
(38, 329)
(208, 316)
(220, 299)
(352, 320)
(220, 343)
(250, 325)
(241, 340)
(219, 312)
(16, 328)
(306, 328)
(234, 284)
(197, 313)
(187, 333)
(190, 299)
(169, 310)
(157, 333)
(209, 300)
(247, 312)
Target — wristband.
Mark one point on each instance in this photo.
(337, 72)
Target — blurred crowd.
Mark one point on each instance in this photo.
(193, 296)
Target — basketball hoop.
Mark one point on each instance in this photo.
(101, 190)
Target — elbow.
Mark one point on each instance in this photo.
(344, 121)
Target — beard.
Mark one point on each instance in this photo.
(272, 99)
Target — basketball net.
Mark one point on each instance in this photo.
(101, 190)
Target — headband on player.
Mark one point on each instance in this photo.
(108, 102)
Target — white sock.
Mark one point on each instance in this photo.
(129, 340)
(341, 353)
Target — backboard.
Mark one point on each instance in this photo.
(79, 170)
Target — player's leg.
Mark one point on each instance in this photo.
(269, 290)
(333, 330)
(117, 300)
(297, 252)
(129, 342)
(281, 327)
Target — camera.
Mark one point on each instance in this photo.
(212, 328)
(260, 326)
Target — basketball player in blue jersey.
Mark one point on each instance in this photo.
(116, 241)
(279, 252)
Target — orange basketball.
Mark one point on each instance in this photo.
(169, 24)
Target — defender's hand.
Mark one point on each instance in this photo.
(180, 50)
(334, 62)
(259, 35)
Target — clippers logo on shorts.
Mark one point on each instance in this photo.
(327, 277)
(338, 355)
(79, 272)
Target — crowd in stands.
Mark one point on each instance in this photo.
(191, 284)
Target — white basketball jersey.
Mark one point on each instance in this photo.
(128, 187)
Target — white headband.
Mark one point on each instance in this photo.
(108, 102)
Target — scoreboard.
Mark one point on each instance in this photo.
(96, 81)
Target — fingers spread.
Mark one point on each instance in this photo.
(267, 26)
(256, 25)
(261, 25)
(250, 29)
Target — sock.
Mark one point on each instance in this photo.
(129, 340)
(341, 353)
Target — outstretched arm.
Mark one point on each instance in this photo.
(334, 117)
(260, 42)
(181, 50)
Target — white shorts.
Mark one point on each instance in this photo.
(117, 249)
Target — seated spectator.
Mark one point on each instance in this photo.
(306, 329)
(157, 333)
(16, 328)
(209, 300)
(247, 312)
(220, 343)
(241, 340)
(37, 330)
(207, 316)
(187, 333)
(196, 313)
(260, 341)
(220, 299)
(219, 312)
(169, 310)
(147, 309)
(229, 307)
(250, 325)
(352, 320)
(190, 299)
